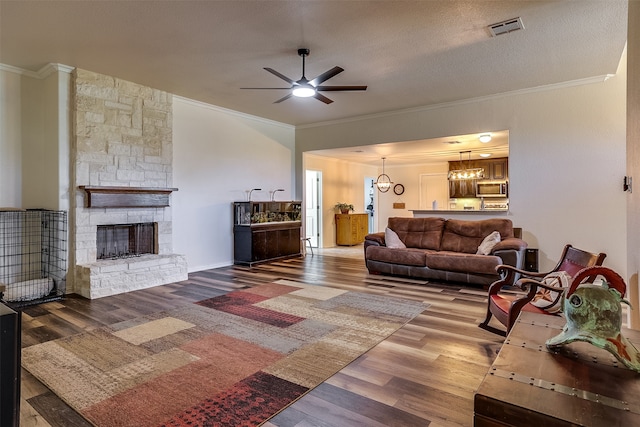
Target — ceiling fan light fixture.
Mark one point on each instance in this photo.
(304, 88)
(303, 91)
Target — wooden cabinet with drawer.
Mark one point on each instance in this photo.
(351, 228)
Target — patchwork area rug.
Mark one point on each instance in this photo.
(233, 360)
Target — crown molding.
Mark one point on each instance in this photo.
(233, 112)
(554, 86)
(16, 70)
(42, 73)
(51, 68)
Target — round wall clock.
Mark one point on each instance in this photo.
(398, 189)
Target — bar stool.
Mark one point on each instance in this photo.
(308, 240)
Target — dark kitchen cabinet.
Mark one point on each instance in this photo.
(463, 188)
(265, 231)
(496, 169)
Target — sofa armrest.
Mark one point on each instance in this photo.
(511, 250)
(375, 239)
(510, 243)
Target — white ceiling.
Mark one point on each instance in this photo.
(409, 53)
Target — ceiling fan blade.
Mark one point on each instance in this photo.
(282, 76)
(322, 98)
(326, 76)
(280, 88)
(337, 88)
(284, 98)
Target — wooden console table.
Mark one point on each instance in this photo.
(581, 385)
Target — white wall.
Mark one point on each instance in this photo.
(218, 155)
(10, 136)
(566, 161)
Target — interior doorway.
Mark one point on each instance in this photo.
(313, 196)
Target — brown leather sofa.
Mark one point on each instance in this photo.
(444, 249)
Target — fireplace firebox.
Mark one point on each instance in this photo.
(126, 240)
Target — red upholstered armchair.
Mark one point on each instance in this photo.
(507, 306)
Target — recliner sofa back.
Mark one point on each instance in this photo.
(422, 233)
(453, 235)
(466, 236)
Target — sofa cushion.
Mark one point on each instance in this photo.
(488, 243)
(422, 233)
(462, 262)
(548, 300)
(408, 256)
(392, 240)
(465, 236)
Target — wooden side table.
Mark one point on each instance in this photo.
(581, 385)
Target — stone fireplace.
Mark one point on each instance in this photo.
(122, 159)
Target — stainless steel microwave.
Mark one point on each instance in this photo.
(492, 189)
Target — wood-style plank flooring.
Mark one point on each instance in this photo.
(423, 375)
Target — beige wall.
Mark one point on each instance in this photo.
(10, 139)
(218, 156)
(34, 138)
(409, 176)
(567, 156)
(341, 182)
(46, 140)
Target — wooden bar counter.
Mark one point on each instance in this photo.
(581, 385)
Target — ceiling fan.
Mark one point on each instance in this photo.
(306, 88)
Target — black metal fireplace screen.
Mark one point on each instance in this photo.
(125, 240)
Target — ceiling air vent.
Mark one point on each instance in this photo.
(505, 27)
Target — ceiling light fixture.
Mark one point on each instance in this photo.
(485, 138)
(383, 182)
(304, 90)
(485, 155)
(466, 173)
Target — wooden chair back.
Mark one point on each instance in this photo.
(506, 307)
(573, 260)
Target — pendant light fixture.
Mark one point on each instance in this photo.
(383, 182)
(466, 173)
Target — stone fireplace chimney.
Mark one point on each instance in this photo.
(123, 144)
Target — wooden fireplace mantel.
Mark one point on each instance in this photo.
(127, 197)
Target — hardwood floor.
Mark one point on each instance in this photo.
(423, 375)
